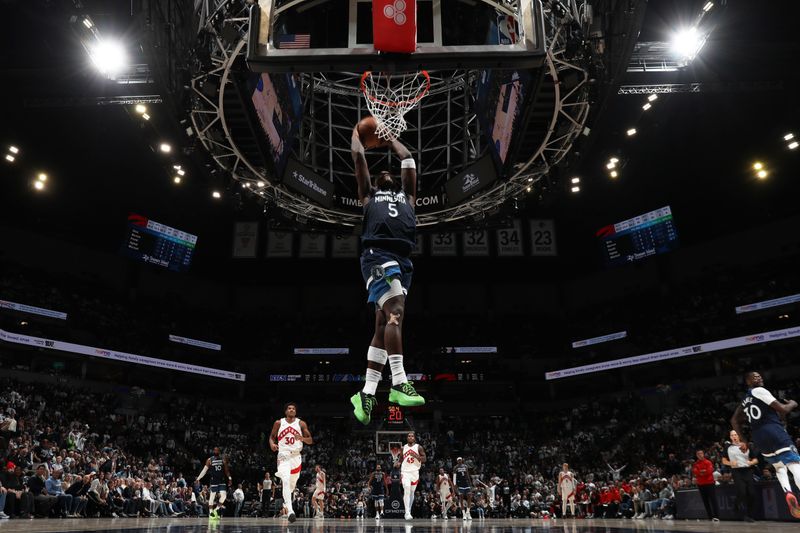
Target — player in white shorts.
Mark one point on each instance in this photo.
(445, 488)
(318, 498)
(287, 438)
(566, 488)
(412, 459)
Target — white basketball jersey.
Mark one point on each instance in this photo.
(320, 482)
(567, 480)
(289, 437)
(444, 484)
(410, 462)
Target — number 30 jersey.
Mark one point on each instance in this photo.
(289, 438)
(766, 425)
(389, 222)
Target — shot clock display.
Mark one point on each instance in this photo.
(395, 416)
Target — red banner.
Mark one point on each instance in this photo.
(394, 26)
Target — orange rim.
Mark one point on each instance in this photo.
(401, 103)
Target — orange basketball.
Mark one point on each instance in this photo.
(366, 131)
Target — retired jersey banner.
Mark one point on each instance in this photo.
(245, 240)
(419, 245)
(279, 244)
(344, 246)
(443, 244)
(509, 240)
(312, 245)
(476, 243)
(543, 237)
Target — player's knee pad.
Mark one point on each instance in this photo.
(395, 289)
(377, 355)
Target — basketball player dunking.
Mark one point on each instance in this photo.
(765, 415)
(287, 438)
(318, 498)
(566, 488)
(412, 459)
(378, 484)
(219, 480)
(445, 489)
(388, 237)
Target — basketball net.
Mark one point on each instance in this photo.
(390, 96)
(396, 449)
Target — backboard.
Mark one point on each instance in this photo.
(337, 36)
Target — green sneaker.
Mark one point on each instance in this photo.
(406, 395)
(362, 406)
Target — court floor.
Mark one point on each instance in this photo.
(252, 525)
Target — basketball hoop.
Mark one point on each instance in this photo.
(390, 96)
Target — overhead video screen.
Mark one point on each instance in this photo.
(276, 100)
(157, 244)
(638, 237)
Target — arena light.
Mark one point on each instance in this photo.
(177, 180)
(792, 145)
(611, 165)
(10, 158)
(38, 185)
(614, 174)
(88, 23)
(145, 116)
(575, 180)
(688, 42)
(216, 194)
(647, 106)
(758, 165)
(576, 189)
(631, 132)
(614, 160)
(528, 189)
(762, 174)
(141, 109)
(787, 137)
(42, 176)
(14, 150)
(260, 184)
(108, 56)
(181, 172)
(164, 147)
(708, 7)
(652, 98)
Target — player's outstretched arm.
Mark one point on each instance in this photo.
(408, 170)
(361, 167)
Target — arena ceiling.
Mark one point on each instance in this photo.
(692, 150)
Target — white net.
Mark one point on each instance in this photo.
(390, 96)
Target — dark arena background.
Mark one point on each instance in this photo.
(606, 266)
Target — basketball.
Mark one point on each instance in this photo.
(366, 131)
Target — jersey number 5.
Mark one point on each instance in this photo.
(753, 413)
(392, 209)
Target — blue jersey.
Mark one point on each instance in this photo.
(389, 222)
(766, 425)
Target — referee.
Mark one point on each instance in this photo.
(741, 463)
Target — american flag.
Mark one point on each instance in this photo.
(294, 40)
